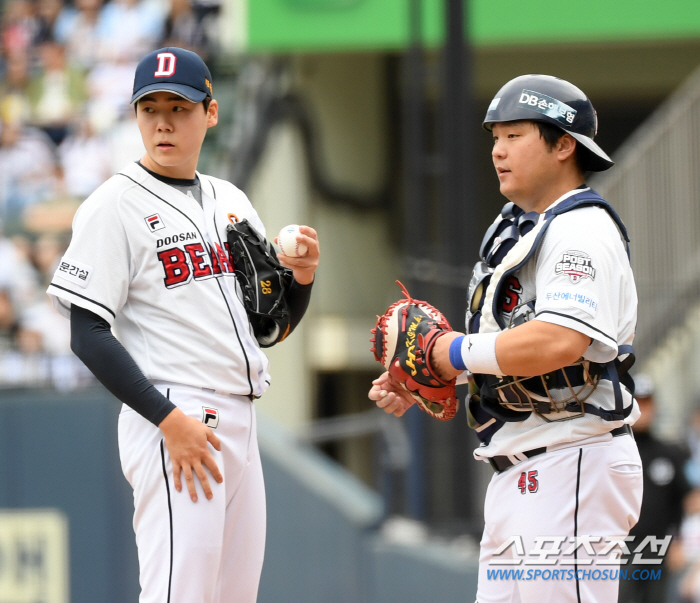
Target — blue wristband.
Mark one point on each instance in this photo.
(456, 359)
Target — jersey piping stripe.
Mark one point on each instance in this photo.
(170, 515)
(578, 320)
(92, 301)
(235, 327)
(578, 484)
(216, 230)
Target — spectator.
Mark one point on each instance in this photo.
(34, 339)
(78, 33)
(125, 143)
(57, 93)
(27, 171)
(689, 550)
(14, 102)
(665, 487)
(85, 160)
(19, 28)
(184, 29)
(16, 80)
(109, 86)
(17, 275)
(49, 15)
(128, 29)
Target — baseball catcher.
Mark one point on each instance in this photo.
(550, 325)
(402, 341)
(264, 282)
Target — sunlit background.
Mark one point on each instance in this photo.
(362, 119)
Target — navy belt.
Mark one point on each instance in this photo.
(501, 463)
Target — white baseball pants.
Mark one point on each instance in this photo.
(581, 490)
(210, 551)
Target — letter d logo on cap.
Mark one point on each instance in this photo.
(166, 64)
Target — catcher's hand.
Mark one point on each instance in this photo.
(264, 283)
(402, 342)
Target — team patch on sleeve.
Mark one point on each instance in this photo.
(568, 297)
(75, 272)
(576, 265)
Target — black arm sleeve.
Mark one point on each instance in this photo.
(298, 298)
(92, 341)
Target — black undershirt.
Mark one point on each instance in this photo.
(171, 181)
(92, 341)
(191, 186)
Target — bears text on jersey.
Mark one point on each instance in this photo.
(193, 261)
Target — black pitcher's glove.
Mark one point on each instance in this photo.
(263, 281)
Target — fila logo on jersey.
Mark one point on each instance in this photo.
(210, 417)
(154, 223)
(577, 265)
(166, 64)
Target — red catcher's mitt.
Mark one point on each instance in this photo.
(402, 341)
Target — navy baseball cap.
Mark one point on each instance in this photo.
(173, 69)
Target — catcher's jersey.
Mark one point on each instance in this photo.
(154, 263)
(580, 277)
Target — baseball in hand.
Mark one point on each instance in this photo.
(287, 240)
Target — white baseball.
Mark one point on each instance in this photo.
(287, 240)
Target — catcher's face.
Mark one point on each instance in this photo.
(173, 129)
(531, 175)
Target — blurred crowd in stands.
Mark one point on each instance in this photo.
(66, 72)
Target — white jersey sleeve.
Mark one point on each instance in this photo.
(95, 271)
(584, 281)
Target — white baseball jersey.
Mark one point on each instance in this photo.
(154, 264)
(579, 277)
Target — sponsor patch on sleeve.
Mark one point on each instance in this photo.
(74, 272)
(568, 297)
(576, 265)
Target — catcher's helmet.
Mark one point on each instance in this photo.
(554, 101)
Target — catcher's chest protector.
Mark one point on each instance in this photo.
(527, 230)
(509, 243)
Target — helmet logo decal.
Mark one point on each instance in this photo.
(551, 107)
(494, 103)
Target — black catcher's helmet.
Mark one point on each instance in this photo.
(554, 101)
